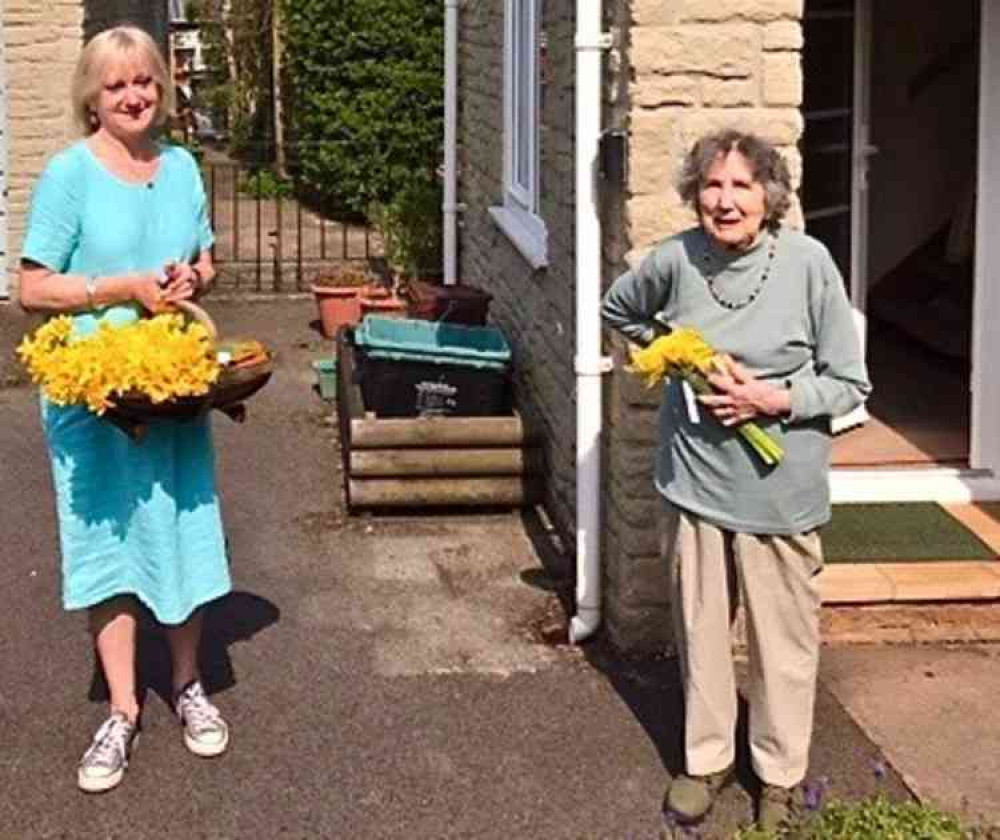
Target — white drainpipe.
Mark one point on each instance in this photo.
(591, 365)
(450, 205)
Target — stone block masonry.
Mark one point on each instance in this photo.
(42, 43)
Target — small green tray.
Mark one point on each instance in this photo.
(326, 377)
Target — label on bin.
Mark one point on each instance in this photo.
(435, 398)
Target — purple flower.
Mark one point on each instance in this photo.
(813, 793)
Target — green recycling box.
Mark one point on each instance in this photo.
(420, 368)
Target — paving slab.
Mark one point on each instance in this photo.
(933, 710)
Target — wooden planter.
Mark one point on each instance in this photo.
(430, 461)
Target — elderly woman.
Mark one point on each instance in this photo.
(770, 298)
(117, 228)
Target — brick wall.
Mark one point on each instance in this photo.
(687, 67)
(534, 308)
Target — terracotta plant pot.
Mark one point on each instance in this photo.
(387, 304)
(338, 306)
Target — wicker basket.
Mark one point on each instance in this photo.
(133, 412)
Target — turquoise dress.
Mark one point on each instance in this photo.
(134, 518)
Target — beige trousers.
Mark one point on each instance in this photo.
(711, 571)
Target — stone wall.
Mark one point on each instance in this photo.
(535, 309)
(43, 41)
(687, 67)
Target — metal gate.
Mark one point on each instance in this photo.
(269, 236)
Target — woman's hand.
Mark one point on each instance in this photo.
(146, 289)
(742, 397)
(181, 282)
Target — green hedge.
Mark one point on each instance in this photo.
(364, 102)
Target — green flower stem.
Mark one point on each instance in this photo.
(766, 447)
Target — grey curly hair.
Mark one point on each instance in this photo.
(765, 161)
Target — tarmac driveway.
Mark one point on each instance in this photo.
(383, 676)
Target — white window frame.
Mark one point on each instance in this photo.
(518, 216)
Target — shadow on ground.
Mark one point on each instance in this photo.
(236, 617)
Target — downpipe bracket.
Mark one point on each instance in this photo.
(604, 41)
(598, 366)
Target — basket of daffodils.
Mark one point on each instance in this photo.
(168, 366)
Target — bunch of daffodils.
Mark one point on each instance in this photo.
(685, 354)
(162, 358)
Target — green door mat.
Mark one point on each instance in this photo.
(901, 533)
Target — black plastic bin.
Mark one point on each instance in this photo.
(413, 368)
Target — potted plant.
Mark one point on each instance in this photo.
(338, 297)
(410, 227)
(411, 231)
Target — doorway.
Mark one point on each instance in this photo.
(891, 100)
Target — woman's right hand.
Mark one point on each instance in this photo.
(146, 290)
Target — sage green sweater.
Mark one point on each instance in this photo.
(798, 332)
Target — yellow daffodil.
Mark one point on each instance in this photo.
(163, 358)
(684, 354)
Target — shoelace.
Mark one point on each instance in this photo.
(110, 744)
(196, 711)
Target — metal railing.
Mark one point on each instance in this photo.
(271, 238)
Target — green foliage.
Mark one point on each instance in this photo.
(875, 818)
(410, 225)
(236, 46)
(264, 183)
(363, 83)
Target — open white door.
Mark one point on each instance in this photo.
(985, 385)
(836, 147)
(979, 479)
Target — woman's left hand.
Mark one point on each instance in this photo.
(743, 397)
(180, 282)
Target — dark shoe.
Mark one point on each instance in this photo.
(690, 798)
(777, 807)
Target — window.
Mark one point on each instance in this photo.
(518, 216)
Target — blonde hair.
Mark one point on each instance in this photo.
(111, 44)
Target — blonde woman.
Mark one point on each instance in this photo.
(118, 227)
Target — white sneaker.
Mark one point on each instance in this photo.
(205, 732)
(103, 764)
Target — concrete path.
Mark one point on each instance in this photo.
(385, 676)
(934, 712)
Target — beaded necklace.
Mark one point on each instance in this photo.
(711, 276)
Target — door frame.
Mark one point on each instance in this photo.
(981, 481)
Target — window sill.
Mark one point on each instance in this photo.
(526, 232)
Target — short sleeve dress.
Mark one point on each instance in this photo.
(137, 518)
